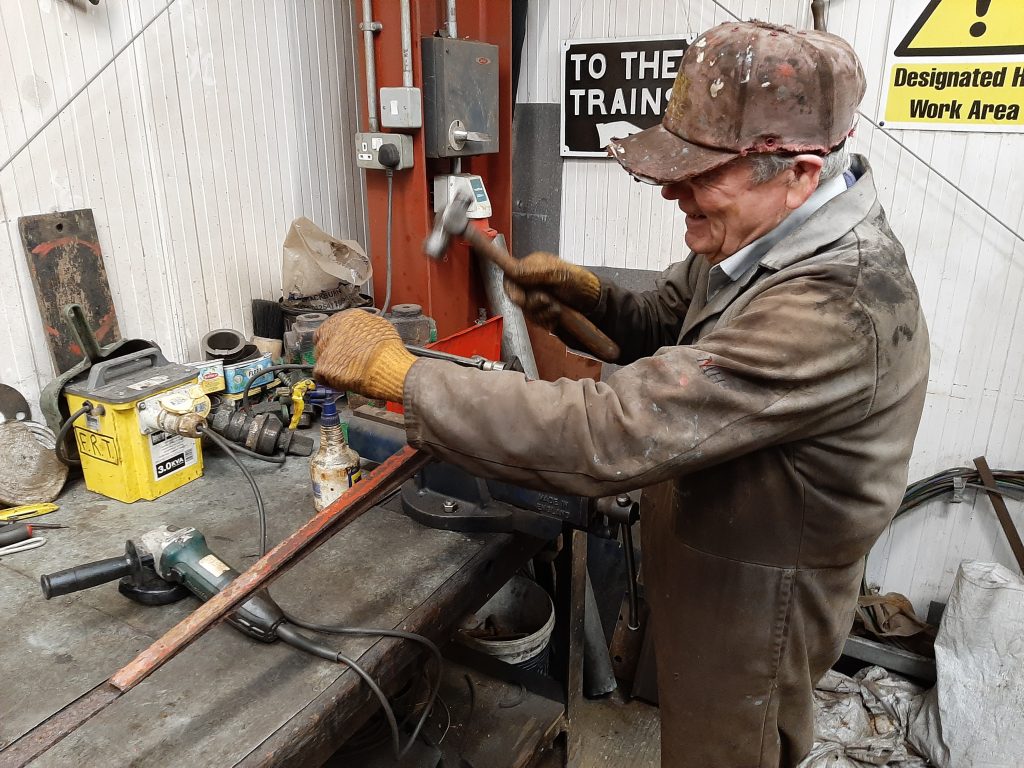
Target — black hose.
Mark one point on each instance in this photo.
(284, 367)
(226, 446)
(62, 435)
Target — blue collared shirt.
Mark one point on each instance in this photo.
(733, 267)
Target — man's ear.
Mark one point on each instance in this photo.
(806, 171)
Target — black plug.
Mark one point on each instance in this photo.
(388, 156)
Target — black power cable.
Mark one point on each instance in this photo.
(62, 435)
(274, 458)
(226, 445)
(946, 483)
(300, 642)
(395, 633)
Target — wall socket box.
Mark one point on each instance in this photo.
(401, 108)
(368, 150)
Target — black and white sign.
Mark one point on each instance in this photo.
(615, 88)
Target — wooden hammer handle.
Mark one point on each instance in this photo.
(578, 326)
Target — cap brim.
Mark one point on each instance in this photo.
(657, 156)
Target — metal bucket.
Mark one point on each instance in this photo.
(514, 626)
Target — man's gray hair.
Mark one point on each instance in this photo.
(766, 166)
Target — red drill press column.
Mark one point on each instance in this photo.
(450, 291)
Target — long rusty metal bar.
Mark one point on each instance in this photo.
(391, 474)
(1012, 536)
(382, 481)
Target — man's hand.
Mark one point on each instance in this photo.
(541, 277)
(359, 351)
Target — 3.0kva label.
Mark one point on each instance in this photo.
(170, 453)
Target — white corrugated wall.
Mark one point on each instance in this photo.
(195, 148)
(969, 269)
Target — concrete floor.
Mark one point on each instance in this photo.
(616, 734)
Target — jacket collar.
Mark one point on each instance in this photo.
(833, 220)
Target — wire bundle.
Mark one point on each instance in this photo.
(1008, 482)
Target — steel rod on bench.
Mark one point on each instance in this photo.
(382, 481)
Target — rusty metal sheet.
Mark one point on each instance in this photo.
(66, 265)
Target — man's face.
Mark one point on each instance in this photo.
(726, 211)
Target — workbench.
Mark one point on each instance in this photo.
(227, 699)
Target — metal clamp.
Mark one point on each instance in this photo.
(959, 486)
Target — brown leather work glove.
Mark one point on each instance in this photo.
(542, 276)
(362, 352)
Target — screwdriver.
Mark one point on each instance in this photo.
(14, 514)
(12, 534)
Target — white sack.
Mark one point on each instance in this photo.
(974, 717)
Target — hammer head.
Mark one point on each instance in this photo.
(453, 220)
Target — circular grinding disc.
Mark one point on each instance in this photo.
(30, 472)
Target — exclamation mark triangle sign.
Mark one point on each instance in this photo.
(966, 28)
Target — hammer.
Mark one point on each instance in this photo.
(454, 220)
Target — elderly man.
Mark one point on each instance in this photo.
(772, 387)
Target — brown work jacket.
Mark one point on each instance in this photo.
(772, 427)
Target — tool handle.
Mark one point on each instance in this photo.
(588, 334)
(84, 576)
(83, 332)
(579, 327)
(12, 534)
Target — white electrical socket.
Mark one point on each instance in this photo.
(368, 150)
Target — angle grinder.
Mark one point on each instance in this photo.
(166, 565)
(169, 563)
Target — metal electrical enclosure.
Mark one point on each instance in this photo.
(460, 97)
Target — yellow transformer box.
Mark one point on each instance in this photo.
(124, 456)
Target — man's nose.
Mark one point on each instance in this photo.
(676, 191)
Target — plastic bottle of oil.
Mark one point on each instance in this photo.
(334, 468)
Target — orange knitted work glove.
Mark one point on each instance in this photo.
(541, 277)
(362, 352)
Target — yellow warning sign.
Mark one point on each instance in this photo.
(962, 95)
(966, 28)
(956, 65)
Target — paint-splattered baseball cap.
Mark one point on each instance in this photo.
(747, 87)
